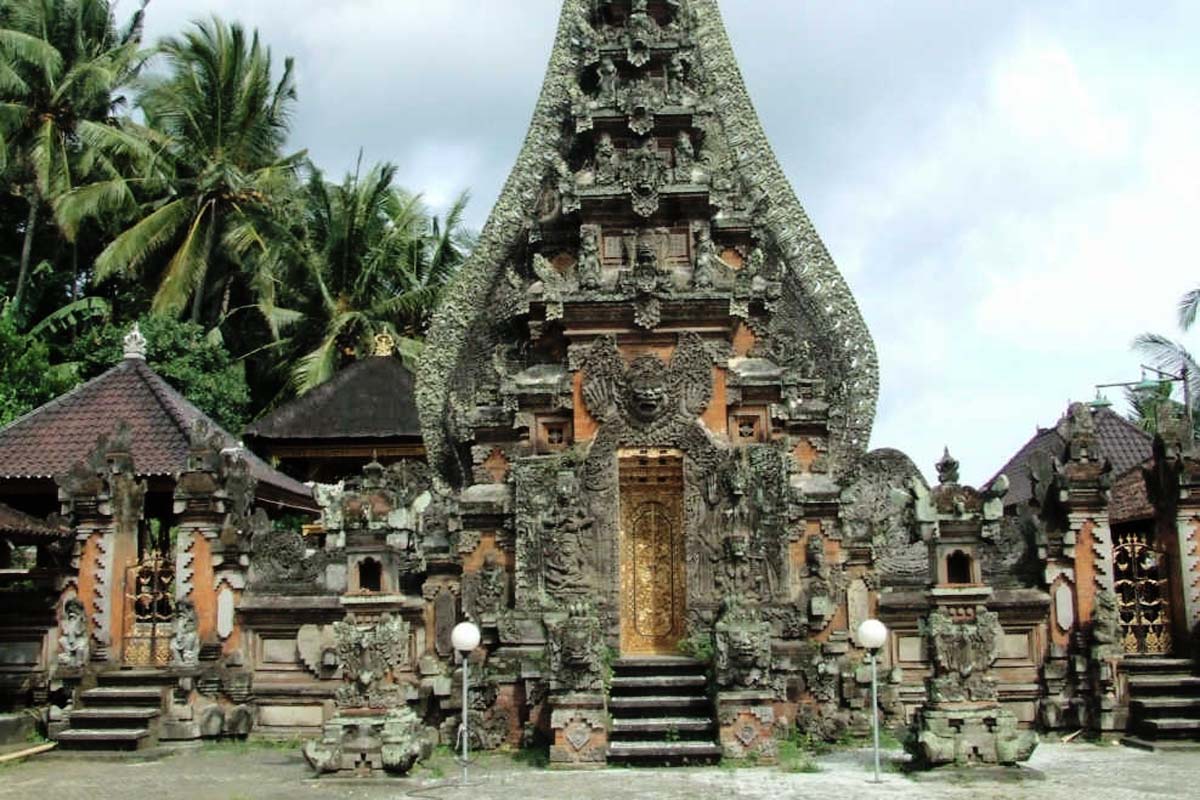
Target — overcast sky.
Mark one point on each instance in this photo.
(1010, 188)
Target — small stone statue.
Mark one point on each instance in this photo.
(589, 259)
(608, 161)
(609, 82)
(185, 641)
(685, 157)
(73, 637)
(708, 264)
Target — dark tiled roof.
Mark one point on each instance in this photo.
(1120, 441)
(1128, 499)
(371, 398)
(51, 439)
(19, 524)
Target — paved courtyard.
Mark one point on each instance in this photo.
(251, 772)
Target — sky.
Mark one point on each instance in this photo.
(1010, 188)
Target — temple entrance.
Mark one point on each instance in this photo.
(653, 574)
(150, 601)
(1140, 579)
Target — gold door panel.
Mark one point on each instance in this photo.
(653, 596)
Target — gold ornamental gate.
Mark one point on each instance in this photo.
(653, 573)
(1143, 588)
(150, 611)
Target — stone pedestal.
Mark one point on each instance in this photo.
(580, 728)
(970, 733)
(365, 741)
(747, 721)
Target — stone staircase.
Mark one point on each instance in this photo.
(1164, 702)
(122, 712)
(660, 712)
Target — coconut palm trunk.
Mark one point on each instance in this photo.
(26, 252)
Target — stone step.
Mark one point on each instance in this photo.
(124, 696)
(1156, 664)
(662, 725)
(1159, 704)
(664, 750)
(658, 665)
(104, 738)
(625, 682)
(639, 702)
(116, 716)
(1170, 725)
(141, 677)
(1164, 683)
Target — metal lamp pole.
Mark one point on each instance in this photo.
(871, 635)
(465, 638)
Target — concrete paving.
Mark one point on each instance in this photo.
(1075, 771)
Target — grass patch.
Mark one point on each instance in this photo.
(794, 758)
(248, 744)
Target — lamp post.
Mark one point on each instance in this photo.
(871, 635)
(465, 638)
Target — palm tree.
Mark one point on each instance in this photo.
(375, 261)
(62, 65)
(223, 121)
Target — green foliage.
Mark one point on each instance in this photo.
(698, 646)
(26, 380)
(794, 757)
(180, 352)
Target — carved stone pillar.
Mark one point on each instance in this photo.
(103, 498)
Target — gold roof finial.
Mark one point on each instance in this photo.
(385, 344)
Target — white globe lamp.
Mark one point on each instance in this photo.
(872, 634)
(465, 637)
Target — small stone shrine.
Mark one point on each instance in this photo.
(373, 728)
(962, 721)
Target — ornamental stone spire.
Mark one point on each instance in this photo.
(647, 186)
(135, 343)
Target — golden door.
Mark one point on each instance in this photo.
(653, 592)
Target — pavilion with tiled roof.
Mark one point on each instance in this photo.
(366, 412)
(1124, 444)
(49, 440)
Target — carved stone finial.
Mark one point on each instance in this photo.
(135, 343)
(947, 468)
(385, 345)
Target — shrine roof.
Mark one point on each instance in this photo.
(1124, 444)
(21, 525)
(51, 439)
(370, 399)
(1129, 499)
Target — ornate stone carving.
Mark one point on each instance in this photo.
(73, 644)
(487, 590)
(369, 655)
(185, 638)
(280, 561)
(742, 644)
(575, 651)
(963, 652)
(390, 741)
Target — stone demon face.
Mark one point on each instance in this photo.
(576, 647)
(648, 392)
(743, 648)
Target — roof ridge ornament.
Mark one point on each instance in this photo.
(385, 345)
(135, 343)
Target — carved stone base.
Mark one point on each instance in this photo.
(974, 734)
(747, 720)
(365, 741)
(580, 728)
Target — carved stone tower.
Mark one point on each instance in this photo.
(649, 381)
